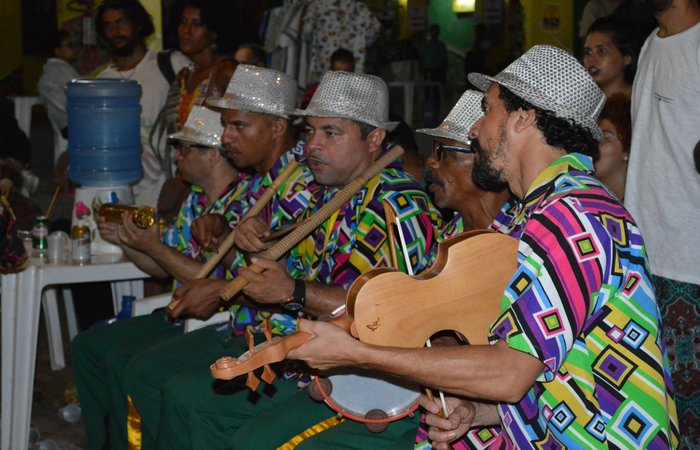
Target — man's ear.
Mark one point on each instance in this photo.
(279, 127)
(375, 139)
(213, 157)
(524, 119)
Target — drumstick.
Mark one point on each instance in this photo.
(253, 211)
(283, 246)
(445, 410)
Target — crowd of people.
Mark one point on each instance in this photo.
(590, 166)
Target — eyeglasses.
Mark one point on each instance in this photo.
(439, 148)
(185, 148)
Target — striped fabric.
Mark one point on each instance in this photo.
(583, 303)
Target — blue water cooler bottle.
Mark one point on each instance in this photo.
(104, 147)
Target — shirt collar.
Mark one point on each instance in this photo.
(544, 181)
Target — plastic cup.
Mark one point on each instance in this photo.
(58, 243)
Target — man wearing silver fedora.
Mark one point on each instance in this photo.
(578, 358)
(347, 120)
(450, 166)
(100, 355)
(257, 136)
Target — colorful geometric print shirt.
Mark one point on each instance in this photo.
(178, 234)
(354, 239)
(285, 208)
(583, 303)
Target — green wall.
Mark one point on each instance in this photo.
(455, 31)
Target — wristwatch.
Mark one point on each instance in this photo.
(298, 299)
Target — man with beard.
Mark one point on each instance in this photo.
(577, 356)
(124, 25)
(663, 188)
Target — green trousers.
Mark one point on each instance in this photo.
(182, 406)
(100, 358)
(278, 425)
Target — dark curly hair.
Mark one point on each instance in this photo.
(617, 111)
(558, 132)
(624, 37)
(134, 10)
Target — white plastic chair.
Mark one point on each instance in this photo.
(49, 304)
(147, 305)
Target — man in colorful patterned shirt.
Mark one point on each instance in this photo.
(317, 272)
(450, 166)
(578, 357)
(100, 355)
(257, 135)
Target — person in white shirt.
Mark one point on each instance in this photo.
(663, 189)
(124, 26)
(51, 87)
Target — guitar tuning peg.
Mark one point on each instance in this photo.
(268, 374)
(252, 382)
(251, 341)
(267, 330)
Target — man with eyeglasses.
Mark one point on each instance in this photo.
(100, 355)
(450, 167)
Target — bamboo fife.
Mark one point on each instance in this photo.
(252, 212)
(283, 246)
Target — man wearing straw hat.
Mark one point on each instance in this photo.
(578, 358)
(347, 120)
(257, 136)
(100, 355)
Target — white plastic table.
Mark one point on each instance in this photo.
(21, 302)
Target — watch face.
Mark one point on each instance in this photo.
(292, 306)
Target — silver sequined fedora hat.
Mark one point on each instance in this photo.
(459, 121)
(258, 89)
(355, 96)
(203, 127)
(550, 78)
